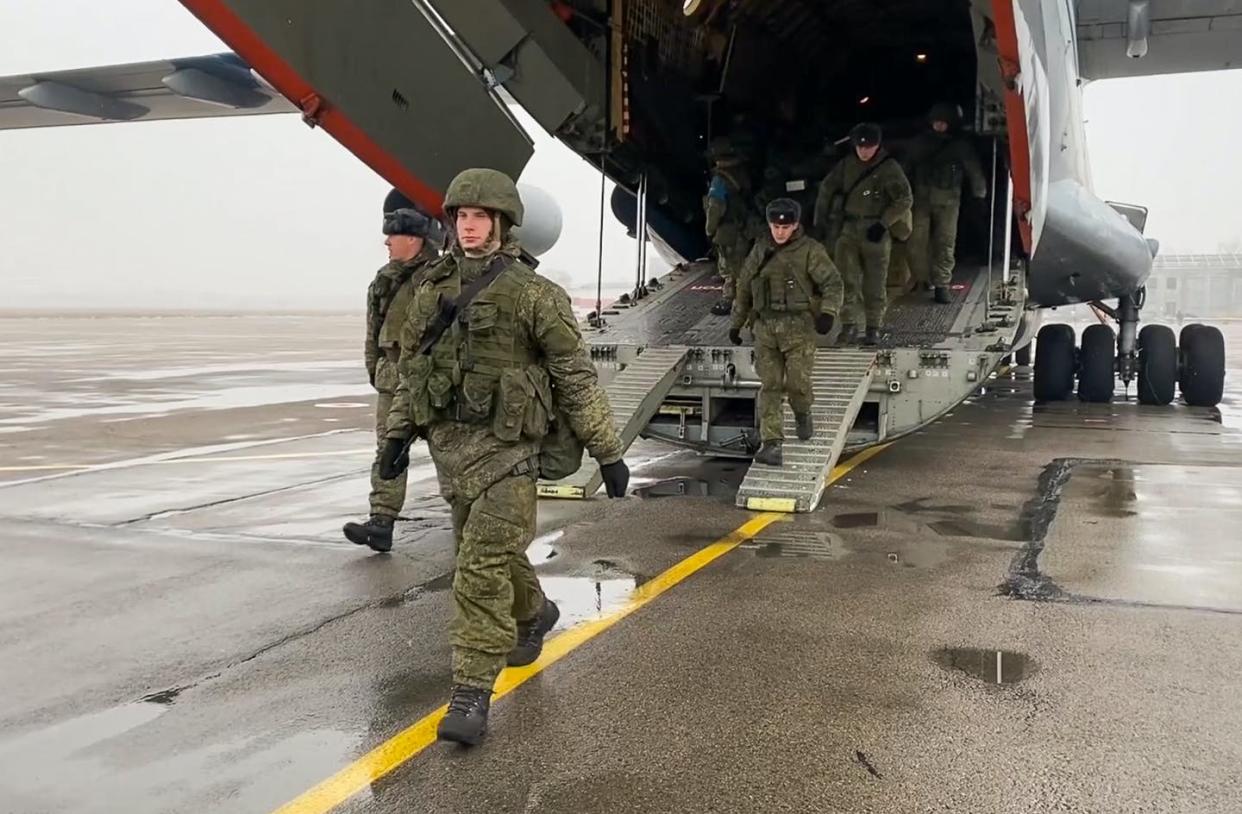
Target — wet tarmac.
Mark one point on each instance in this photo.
(1020, 609)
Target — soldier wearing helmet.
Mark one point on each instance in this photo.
(491, 355)
(788, 291)
(413, 239)
(942, 160)
(867, 193)
(726, 210)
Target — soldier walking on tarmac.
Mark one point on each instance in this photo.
(726, 209)
(941, 160)
(490, 355)
(788, 291)
(868, 195)
(413, 239)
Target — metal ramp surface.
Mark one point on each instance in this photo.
(635, 395)
(840, 383)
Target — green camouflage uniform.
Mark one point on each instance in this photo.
(884, 197)
(483, 397)
(388, 297)
(727, 220)
(780, 291)
(941, 163)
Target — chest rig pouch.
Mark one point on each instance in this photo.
(781, 287)
(478, 365)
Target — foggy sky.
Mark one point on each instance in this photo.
(264, 213)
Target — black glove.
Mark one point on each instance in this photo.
(395, 459)
(823, 323)
(875, 232)
(616, 478)
(735, 336)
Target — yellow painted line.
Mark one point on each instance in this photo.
(412, 740)
(845, 467)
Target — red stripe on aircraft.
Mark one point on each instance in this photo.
(1015, 116)
(250, 46)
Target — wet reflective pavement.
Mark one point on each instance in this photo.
(1019, 609)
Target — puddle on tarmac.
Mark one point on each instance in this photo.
(969, 528)
(856, 520)
(989, 666)
(584, 599)
(541, 549)
(675, 487)
(55, 743)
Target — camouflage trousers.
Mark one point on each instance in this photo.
(495, 586)
(729, 260)
(387, 496)
(784, 357)
(864, 273)
(933, 242)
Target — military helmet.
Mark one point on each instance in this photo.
(784, 211)
(487, 189)
(865, 134)
(946, 112)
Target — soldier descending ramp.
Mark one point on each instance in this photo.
(840, 382)
(635, 395)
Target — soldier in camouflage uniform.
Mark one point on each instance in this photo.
(868, 195)
(413, 240)
(727, 211)
(941, 160)
(483, 394)
(788, 291)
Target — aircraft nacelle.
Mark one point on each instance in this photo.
(541, 225)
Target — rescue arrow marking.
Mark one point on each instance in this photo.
(412, 740)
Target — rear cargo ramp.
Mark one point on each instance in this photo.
(635, 395)
(840, 382)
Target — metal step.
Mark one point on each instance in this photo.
(635, 394)
(840, 382)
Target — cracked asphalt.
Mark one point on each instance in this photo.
(1023, 608)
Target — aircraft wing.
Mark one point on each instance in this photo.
(1118, 38)
(189, 88)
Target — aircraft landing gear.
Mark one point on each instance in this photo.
(1193, 363)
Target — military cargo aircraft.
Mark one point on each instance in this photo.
(639, 87)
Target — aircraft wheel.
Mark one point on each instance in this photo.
(1203, 365)
(1022, 356)
(1157, 365)
(1097, 365)
(1054, 363)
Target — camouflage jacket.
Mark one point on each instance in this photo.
(940, 165)
(515, 357)
(725, 206)
(388, 296)
(884, 195)
(797, 277)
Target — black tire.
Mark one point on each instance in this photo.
(1022, 356)
(1054, 363)
(1203, 365)
(1157, 365)
(1183, 340)
(1097, 365)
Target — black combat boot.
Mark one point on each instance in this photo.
(872, 337)
(723, 308)
(770, 453)
(806, 426)
(466, 719)
(530, 635)
(376, 533)
(942, 295)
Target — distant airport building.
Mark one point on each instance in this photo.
(1202, 286)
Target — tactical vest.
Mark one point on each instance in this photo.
(781, 284)
(485, 368)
